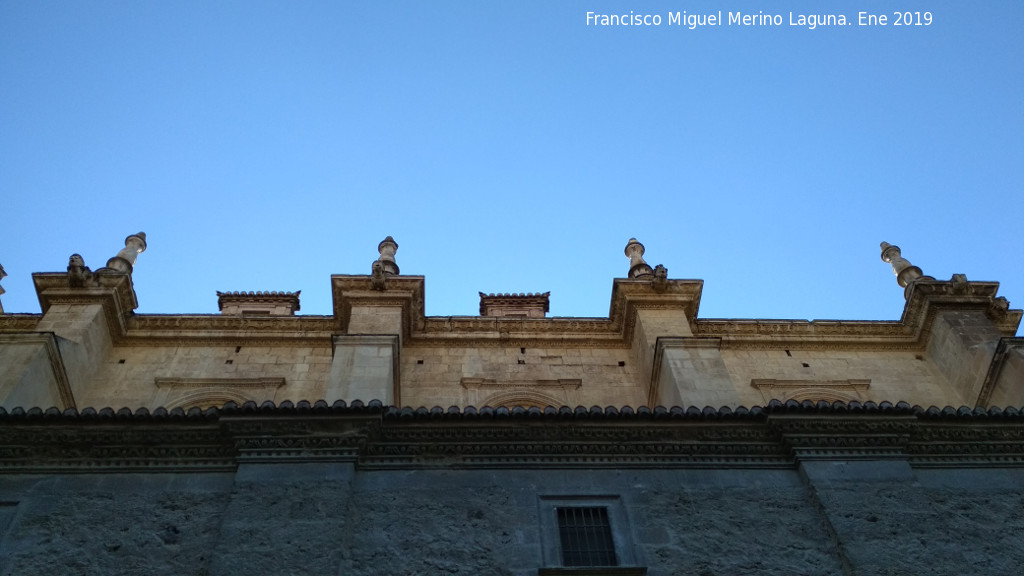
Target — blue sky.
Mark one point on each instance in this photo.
(509, 147)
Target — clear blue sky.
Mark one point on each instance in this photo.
(509, 147)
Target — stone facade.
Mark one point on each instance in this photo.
(258, 441)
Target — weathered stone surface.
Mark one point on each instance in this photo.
(288, 528)
(101, 526)
(311, 519)
(893, 530)
(719, 530)
(438, 530)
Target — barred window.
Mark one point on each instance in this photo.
(586, 536)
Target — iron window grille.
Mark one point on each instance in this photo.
(585, 534)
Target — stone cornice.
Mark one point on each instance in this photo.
(310, 438)
(217, 329)
(113, 291)
(405, 292)
(911, 332)
(104, 446)
(19, 322)
(630, 296)
(375, 437)
(778, 334)
(927, 298)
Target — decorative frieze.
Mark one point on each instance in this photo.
(780, 435)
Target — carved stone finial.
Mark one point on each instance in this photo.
(125, 259)
(959, 284)
(1000, 305)
(78, 273)
(2, 291)
(660, 280)
(906, 273)
(638, 268)
(387, 249)
(378, 280)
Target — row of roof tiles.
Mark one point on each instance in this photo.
(340, 407)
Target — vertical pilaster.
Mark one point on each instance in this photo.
(283, 517)
(691, 372)
(962, 345)
(83, 338)
(365, 367)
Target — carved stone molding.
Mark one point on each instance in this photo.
(202, 330)
(455, 326)
(814, 334)
(571, 445)
(203, 392)
(799, 390)
(779, 436)
(299, 439)
(539, 393)
(628, 297)
(491, 383)
(19, 322)
(967, 444)
(113, 291)
(824, 437)
(927, 297)
(405, 292)
(114, 448)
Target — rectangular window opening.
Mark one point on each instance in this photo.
(586, 536)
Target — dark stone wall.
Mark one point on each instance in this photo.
(863, 518)
(284, 519)
(737, 526)
(438, 530)
(112, 524)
